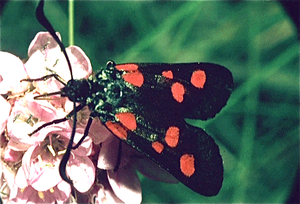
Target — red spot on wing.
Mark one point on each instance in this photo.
(187, 164)
(157, 146)
(127, 67)
(117, 129)
(168, 74)
(127, 119)
(178, 91)
(135, 78)
(198, 79)
(172, 136)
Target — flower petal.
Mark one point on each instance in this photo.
(81, 65)
(16, 145)
(40, 40)
(107, 196)
(48, 178)
(41, 109)
(82, 172)
(12, 156)
(64, 186)
(108, 154)
(39, 175)
(98, 132)
(126, 185)
(11, 72)
(35, 65)
(20, 179)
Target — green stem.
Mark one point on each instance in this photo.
(71, 22)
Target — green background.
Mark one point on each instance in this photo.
(258, 130)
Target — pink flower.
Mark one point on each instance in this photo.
(38, 156)
(11, 72)
(30, 163)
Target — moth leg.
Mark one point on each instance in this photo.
(86, 131)
(44, 78)
(67, 117)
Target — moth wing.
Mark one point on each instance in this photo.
(192, 90)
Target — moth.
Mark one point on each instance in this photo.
(145, 104)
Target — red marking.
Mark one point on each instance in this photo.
(117, 129)
(198, 79)
(172, 136)
(178, 91)
(127, 67)
(168, 74)
(135, 78)
(158, 147)
(187, 164)
(127, 119)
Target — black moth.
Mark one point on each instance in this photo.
(145, 104)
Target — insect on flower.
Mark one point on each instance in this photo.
(144, 105)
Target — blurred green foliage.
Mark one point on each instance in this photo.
(258, 131)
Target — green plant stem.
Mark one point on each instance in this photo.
(71, 22)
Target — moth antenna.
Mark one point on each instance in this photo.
(44, 22)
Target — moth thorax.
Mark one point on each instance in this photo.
(113, 93)
(77, 90)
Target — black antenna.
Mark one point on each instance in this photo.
(44, 22)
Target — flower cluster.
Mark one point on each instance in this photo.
(29, 163)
